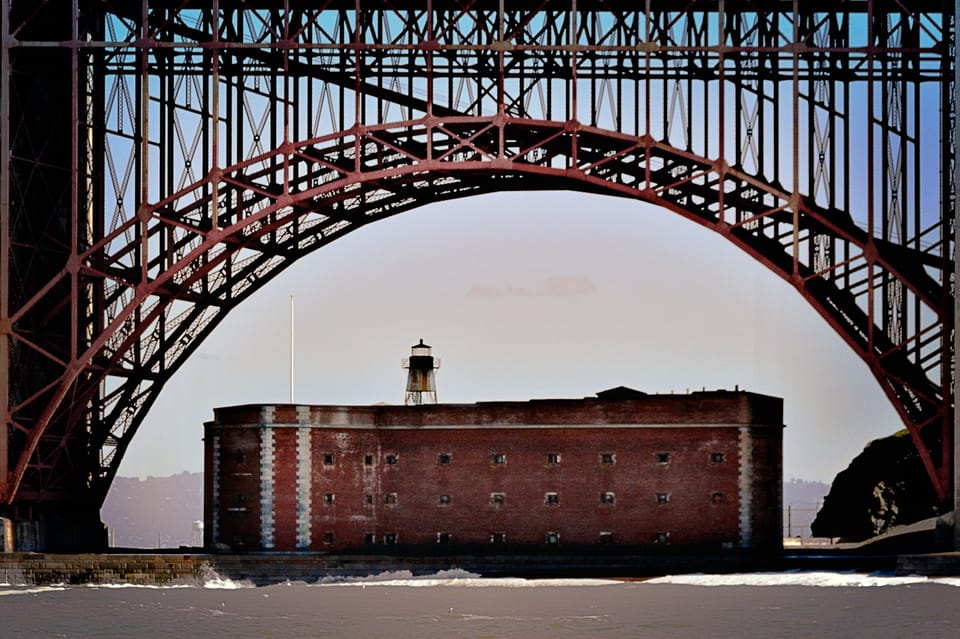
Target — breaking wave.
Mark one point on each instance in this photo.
(466, 579)
(809, 579)
(7, 589)
(210, 581)
(216, 582)
(454, 578)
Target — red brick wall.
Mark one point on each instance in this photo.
(349, 480)
(703, 506)
(208, 452)
(767, 494)
(709, 408)
(246, 414)
(285, 488)
(239, 487)
(690, 479)
(713, 407)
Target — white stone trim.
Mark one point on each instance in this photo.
(267, 415)
(215, 497)
(745, 483)
(266, 488)
(304, 496)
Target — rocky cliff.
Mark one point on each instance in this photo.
(884, 486)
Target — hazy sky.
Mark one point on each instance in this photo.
(528, 295)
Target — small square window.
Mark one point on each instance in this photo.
(717, 458)
(717, 498)
(663, 498)
(328, 537)
(662, 458)
(606, 537)
(392, 459)
(328, 459)
(443, 458)
(390, 538)
(390, 498)
(553, 538)
(607, 498)
(444, 500)
(241, 499)
(240, 456)
(661, 538)
(443, 538)
(368, 460)
(328, 498)
(497, 498)
(551, 499)
(499, 458)
(553, 458)
(608, 458)
(498, 537)
(368, 499)
(369, 538)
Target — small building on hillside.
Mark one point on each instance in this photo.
(622, 468)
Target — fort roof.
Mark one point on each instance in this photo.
(620, 406)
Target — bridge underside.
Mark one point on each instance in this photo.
(163, 160)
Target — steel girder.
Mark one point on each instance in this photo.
(212, 144)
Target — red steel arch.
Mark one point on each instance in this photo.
(301, 196)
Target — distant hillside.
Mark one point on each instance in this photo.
(157, 512)
(800, 492)
(161, 511)
(801, 501)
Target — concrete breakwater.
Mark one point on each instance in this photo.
(262, 569)
(47, 569)
(267, 568)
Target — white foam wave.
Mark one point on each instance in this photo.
(215, 583)
(7, 590)
(211, 582)
(454, 578)
(810, 579)
(119, 586)
(219, 583)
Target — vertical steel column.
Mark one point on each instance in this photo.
(4, 244)
(956, 282)
(215, 108)
(144, 140)
(795, 140)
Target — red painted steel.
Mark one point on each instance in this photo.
(818, 139)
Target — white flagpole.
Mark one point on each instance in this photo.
(291, 348)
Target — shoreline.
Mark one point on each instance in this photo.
(193, 566)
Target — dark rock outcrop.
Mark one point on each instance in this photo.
(884, 486)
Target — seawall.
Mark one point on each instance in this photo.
(262, 569)
(267, 568)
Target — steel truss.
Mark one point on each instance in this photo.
(165, 159)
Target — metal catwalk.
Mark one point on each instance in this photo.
(163, 159)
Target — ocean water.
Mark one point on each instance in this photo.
(806, 604)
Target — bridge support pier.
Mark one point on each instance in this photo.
(56, 527)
